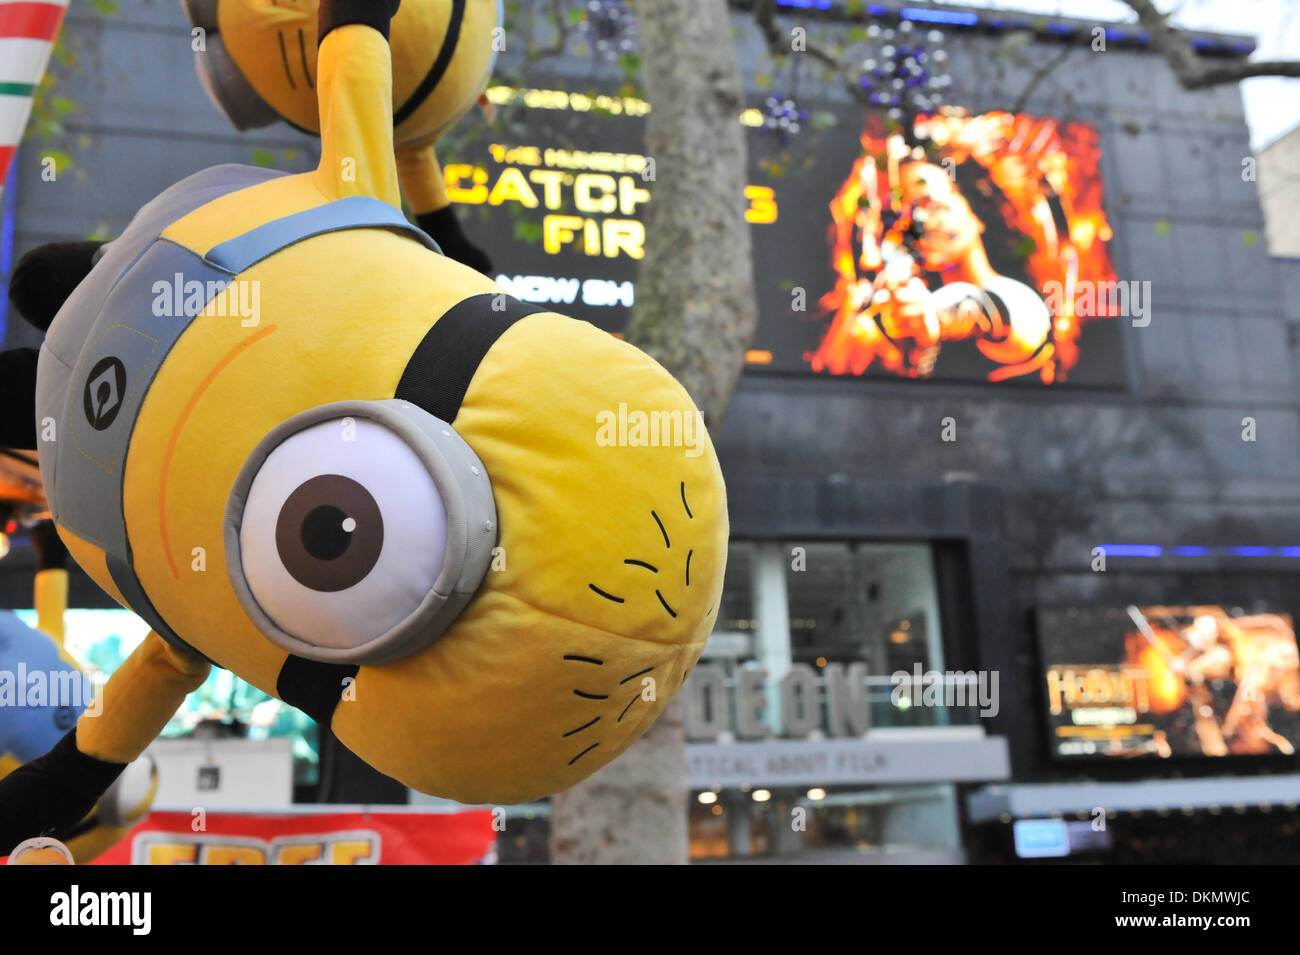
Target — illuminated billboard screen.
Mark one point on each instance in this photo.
(1161, 682)
(961, 251)
(964, 248)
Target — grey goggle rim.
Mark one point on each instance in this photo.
(466, 497)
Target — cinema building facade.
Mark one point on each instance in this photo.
(1013, 569)
(1065, 580)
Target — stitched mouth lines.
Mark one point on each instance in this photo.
(671, 612)
(646, 565)
(607, 596)
(593, 661)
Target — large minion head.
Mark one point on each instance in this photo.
(482, 542)
(259, 61)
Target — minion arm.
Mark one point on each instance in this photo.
(426, 191)
(355, 90)
(51, 794)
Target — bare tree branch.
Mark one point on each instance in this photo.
(1041, 73)
(561, 43)
(1193, 71)
(778, 45)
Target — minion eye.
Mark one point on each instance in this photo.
(330, 533)
(358, 537)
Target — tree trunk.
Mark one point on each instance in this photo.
(695, 313)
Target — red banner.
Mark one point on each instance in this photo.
(32, 21)
(353, 836)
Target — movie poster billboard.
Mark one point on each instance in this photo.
(946, 246)
(1162, 682)
(958, 248)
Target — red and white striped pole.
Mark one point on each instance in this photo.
(27, 32)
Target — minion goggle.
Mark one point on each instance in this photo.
(357, 531)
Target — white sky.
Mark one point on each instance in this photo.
(1272, 105)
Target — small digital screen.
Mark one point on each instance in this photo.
(1160, 682)
(1041, 838)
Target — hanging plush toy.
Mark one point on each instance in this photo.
(41, 851)
(43, 692)
(258, 65)
(482, 542)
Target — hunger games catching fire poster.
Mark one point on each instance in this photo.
(1160, 682)
(965, 237)
(968, 248)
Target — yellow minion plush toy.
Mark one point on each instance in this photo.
(42, 693)
(258, 64)
(305, 446)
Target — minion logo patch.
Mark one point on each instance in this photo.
(102, 398)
